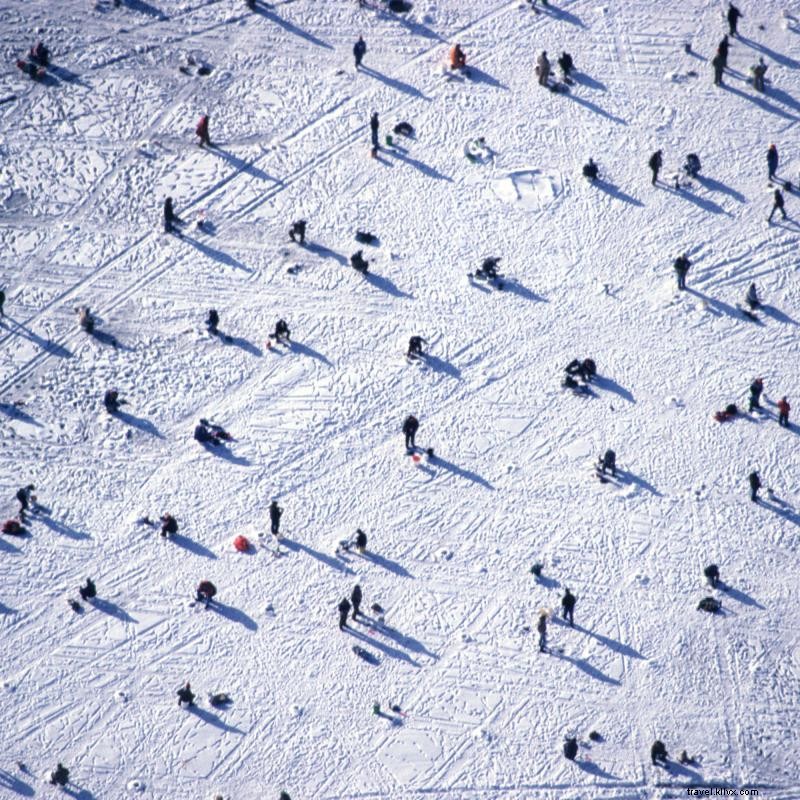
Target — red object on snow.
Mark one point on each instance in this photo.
(416, 458)
(242, 544)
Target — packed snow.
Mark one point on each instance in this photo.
(88, 155)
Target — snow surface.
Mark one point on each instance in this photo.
(87, 159)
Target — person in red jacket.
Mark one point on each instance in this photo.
(458, 59)
(202, 131)
(783, 412)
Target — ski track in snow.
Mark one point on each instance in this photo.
(87, 161)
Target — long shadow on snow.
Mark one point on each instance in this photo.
(782, 509)
(585, 666)
(14, 784)
(329, 561)
(191, 545)
(394, 83)
(68, 76)
(682, 771)
(609, 385)
(625, 476)
(145, 8)
(290, 27)
(514, 287)
(4, 609)
(562, 15)
(596, 770)
(76, 793)
(244, 166)
(587, 80)
(778, 315)
(326, 252)
(771, 54)
(407, 642)
(760, 102)
(717, 186)
(213, 719)
(387, 563)
(383, 283)
(700, 202)
(216, 255)
(141, 424)
(740, 596)
(400, 154)
(717, 306)
(223, 452)
(415, 28)
(112, 609)
(618, 647)
(439, 365)
(614, 191)
(460, 472)
(234, 615)
(243, 344)
(595, 108)
(393, 652)
(60, 528)
(107, 339)
(14, 412)
(8, 547)
(479, 76)
(53, 348)
(305, 350)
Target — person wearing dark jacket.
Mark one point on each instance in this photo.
(204, 435)
(40, 54)
(410, 427)
(571, 748)
(170, 218)
(111, 401)
(759, 71)
(565, 64)
(751, 298)
(358, 262)
(655, 163)
(297, 233)
(590, 170)
(658, 753)
(568, 607)
(772, 161)
(2, 300)
(415, 346)
(609, 462)
(681, 266)
(783, 412)
(344, 610)
(24, 498)
(733, 18)
(777, 204)
(275, 512)
(355, 599)
(755, 485)
(718, 63)
(361, 540)
(59, 776)
(212, 322)
(169, 525)
(359, 51)
(281, 331)
(712, 575)
(89, 591)
(373, 125)
(186, 695)
(722, 50)
(756, 388)
(206, 592)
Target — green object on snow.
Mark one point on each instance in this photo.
(376, 708)
(389, 140)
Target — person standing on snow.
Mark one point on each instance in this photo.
(374, 123)
(275, 513)
(658, 753)
(186, 695)
(718, 63)
(681, 266)
(756, 388)
(410, 427)
(170, 217)
(415, 346)
(755, 485)
(359, 51)
(772, 161)
(212, 322)
(655, 163)
(568, 607)
(59, 776)
(722, 50)
(2, 300)
(89, 591)
(281, 331)
(24, 497)
(783, 412)
(565, 64)
(733, 18)
(777, 204)
(591, 171)
(751, 298)
(712, 574)
(458, 59)
(542, 629)
(297, 233)
(344, 610)
(202, 131)
(355, 599)
(169, 525)
(759, 71)
(570, 748)
(543, 68)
